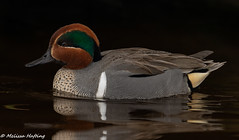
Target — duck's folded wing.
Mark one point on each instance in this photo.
(141, 61)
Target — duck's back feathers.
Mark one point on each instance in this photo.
(144, 61)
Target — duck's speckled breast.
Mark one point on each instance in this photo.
(63, 80)
(77, 82)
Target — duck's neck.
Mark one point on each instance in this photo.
(97, 54)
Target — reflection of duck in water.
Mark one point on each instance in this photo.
(131, 73)
(133, 120)
(121, 111)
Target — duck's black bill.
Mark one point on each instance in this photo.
(46, 58)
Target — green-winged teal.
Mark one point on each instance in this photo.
(129, 73)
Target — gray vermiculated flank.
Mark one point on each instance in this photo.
(121, 86)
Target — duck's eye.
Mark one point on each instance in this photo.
(63, 44)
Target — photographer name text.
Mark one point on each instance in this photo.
(22, 136)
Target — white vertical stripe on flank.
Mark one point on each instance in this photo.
(102, 86)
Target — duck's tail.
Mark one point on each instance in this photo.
(198, 76)
(202, 54)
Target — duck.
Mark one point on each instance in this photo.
(126, 73)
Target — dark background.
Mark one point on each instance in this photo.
(182, 26)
